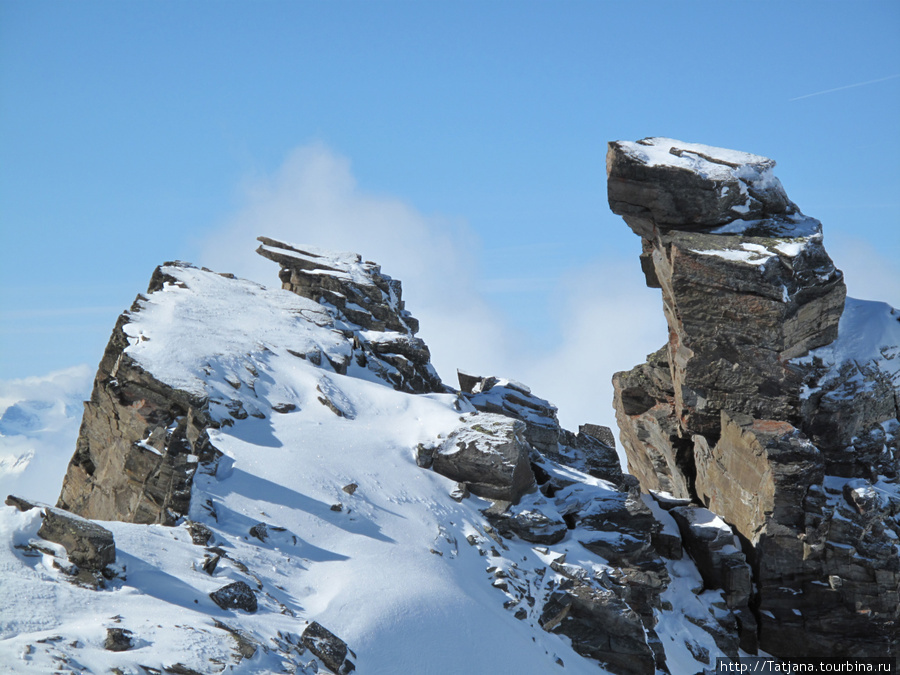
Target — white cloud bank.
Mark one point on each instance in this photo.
(607, 320)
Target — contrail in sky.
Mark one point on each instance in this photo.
(849, 86)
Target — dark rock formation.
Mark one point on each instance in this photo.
(529, 524)
(369, 303)
(750, 409)
(140, 440)
(610, 617)
(118, 640)
(328, 647)
(237, 595)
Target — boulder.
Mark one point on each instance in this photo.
(489, 454)
(118, 640)
(88, 545)
(237, 595)
(328, 647)
(601, 626)
(592, 449)
(529, 524)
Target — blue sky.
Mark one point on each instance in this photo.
(462, 145)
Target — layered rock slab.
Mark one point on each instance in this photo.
(358, 293)
(758, 406)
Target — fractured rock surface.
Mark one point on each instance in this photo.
(370, 304)
(767, 405)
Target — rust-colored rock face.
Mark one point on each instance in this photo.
(752, 408)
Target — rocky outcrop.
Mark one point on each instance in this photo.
(328, 647)
(141, 440)
(368, 303)
(763, 406)
(592, 449)
(237, 595)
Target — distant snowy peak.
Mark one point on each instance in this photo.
(39, 418)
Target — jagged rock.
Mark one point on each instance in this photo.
(142, 438)
(659, 184)
(328, 647)
(237, 595)
(200, 533)
(591, 450)
(759, 407)
(260, 531)
(246, 645)
(644, 399)
(87, 544)
(489, 454)
(746, 283)
(118, 640)
(178, 669)
(22, 504)
(853, 403)
(369, 302)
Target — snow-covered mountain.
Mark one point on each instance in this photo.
(315, 499)
(275, 480)
(39, 420)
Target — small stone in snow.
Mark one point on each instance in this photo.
(235, 596)
(118, 640)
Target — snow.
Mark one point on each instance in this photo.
(790, 248)
(868, 333)
(752, 254)
(705, 160)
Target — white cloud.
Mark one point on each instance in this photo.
(607, 320)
